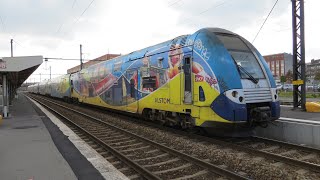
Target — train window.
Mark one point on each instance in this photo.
(149, 83)
(132, 90)
(187, 60)
(160, 62)
(117, 67)
(233, 43)
(201, 94)
(144, 71)
(71, 82)
(247, 64)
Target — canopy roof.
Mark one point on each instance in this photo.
(18, 69)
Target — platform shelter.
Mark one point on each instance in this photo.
(13, 72)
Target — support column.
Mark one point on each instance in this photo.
(10, 93)
(5, 95)
(299, 76)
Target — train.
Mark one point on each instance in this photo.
(213, 79)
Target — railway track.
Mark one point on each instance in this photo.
(143, 158)
(303, 156)
(296, 155)
(308, 156)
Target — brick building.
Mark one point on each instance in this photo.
(279, 64)
(91, 62)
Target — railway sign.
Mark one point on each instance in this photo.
(297, 82)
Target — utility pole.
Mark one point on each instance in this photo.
(81, 64)
(299, 76)
(46, 60)
(11, 42)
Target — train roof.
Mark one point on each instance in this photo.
(174, 43)
(219, 31)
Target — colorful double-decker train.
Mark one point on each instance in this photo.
(214, 79)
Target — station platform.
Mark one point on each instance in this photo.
(288, 112)
(294, 126)
(32, 147)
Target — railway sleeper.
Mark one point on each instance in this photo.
(162, 163)
(193, 176)
(174, 169)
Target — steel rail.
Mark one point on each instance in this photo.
(210, 167)
(303, 148)
(294, 162)
(143, 171)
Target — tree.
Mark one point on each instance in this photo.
(317, 76)
(283, 79)
(289, 76)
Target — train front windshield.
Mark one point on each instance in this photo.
(248, 65)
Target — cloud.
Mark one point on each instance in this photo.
(226, 14)
(43, 17)
(53, 28)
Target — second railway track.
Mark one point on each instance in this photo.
(254, 153)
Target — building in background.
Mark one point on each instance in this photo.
(312, 68)
(279, 64)
(91, 62)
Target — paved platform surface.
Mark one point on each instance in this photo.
(105, 168)
(289, 112)
(29, 151)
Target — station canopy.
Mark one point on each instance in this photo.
(18, 69)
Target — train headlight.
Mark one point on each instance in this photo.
(275, 94)
(234, 93)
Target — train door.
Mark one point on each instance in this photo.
(132, 90)
(175, 80)
(187, 71)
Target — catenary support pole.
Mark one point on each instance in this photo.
(11, 43)
(81, 64)
(299, 79)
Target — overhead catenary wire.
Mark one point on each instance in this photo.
(76, 20)
(38, 74)
(68, 59)
(265, 21)
(187, 21)
(18, 43)
(174, 3)
(61, 25)
(83, 13)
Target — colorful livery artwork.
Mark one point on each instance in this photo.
(213, 79)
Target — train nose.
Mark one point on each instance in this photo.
(228, 109)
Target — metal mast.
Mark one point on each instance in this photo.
(81, 63)
(299, 88)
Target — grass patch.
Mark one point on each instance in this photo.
(289, 94)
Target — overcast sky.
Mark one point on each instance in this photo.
(56, 28)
